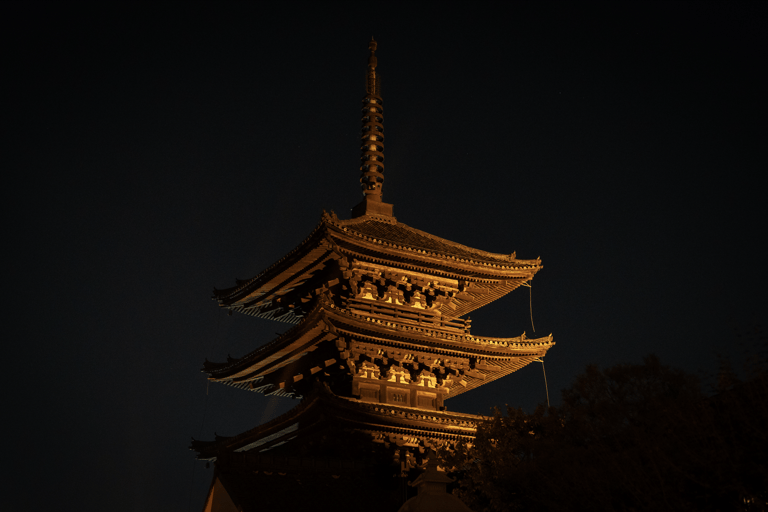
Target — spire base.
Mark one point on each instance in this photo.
(371, 207)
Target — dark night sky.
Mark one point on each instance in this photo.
(152, 153)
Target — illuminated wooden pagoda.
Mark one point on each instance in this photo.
(379, 343)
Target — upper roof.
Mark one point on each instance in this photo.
(384, 241)
(398, 235)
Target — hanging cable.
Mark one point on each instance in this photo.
(530, 303)
(546, 388)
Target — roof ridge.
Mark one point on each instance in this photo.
(349, 224)
(466, 338)
(241, 284)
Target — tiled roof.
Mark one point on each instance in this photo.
(324, 402)
(399, 243)
(401, 234)
(429, 337)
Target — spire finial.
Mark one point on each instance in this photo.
(372, 150)
(372, 82)
(372, 143)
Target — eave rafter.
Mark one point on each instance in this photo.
(244, 288)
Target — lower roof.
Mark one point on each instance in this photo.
(386, 423)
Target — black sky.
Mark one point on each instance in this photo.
(154, 151)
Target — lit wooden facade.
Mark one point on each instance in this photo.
(380, 339)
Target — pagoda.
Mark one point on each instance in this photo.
(380, 341)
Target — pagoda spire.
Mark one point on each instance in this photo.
(372, 143)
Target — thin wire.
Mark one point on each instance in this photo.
(530, 303)
(545, 378)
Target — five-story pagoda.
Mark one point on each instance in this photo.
(378, 345)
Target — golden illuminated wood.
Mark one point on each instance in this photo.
(380, 336)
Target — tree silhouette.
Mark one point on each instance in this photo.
(630, 437)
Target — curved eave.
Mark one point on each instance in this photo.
(494, 286)
(314, 329)
(209, 449)
(433, 264)
(435, 245)
(498, 274)
(506, 367)
(362, 246)
(426, 338)
(311, 326)
(310, 252)
(503, 355)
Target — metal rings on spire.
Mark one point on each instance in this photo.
(372, 139)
